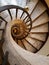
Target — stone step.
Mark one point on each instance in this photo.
(4, 14)
(38, 11)
(40, 37)
(37, 44)
(20, 43)
(41, 20)
(41, 29)
(2, 25)
(28, 46)
(31, 5)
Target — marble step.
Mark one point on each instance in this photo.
(38, 11)
(20, 43)
(37, 44)
(2, 26)
(41, 29)
(31, 5)
(8, 19)
(40, 37)
(4, 14)
(41, 20)
(28, 46)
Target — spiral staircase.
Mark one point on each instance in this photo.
(24, 33)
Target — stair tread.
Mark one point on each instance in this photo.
(19, 13)
(2, 25)
(38, 11)
(40, 37)
(34, 42)
(4, 14)
(43, 28)
(31, 5)
(28, 46)
(20, 44)
(41, 20)
(31, 40)
(8, 19)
